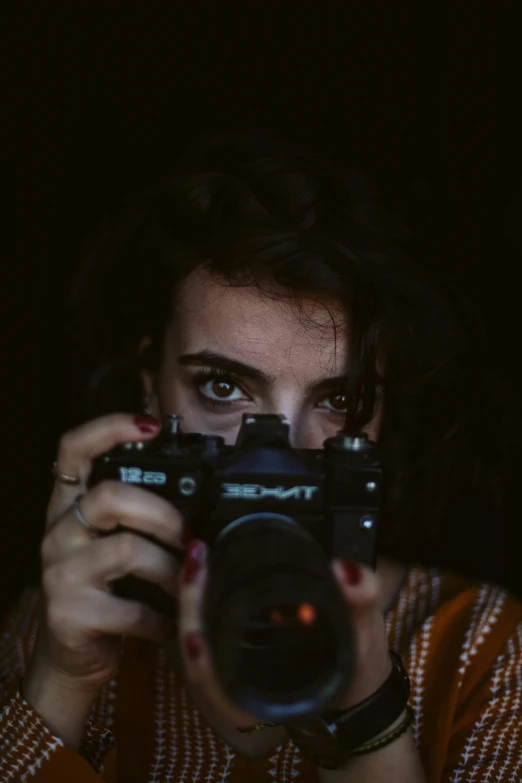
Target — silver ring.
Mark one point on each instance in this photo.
(78, 513)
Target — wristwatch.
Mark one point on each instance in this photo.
(330, 739)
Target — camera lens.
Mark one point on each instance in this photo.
(292, 651)
(277, 625)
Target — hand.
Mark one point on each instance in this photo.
(82, 622)
(360, 588)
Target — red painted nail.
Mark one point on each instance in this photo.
(193, 645)
(147, 424)
(352, 573)
(193, 561)
(187, 536)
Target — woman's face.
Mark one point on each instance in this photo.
(230, 351)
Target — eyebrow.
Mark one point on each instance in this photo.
(218, 361)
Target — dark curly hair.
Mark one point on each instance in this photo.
(258, 210)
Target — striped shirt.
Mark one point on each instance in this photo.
(460, 640)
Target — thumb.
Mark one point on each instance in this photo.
(359, 586)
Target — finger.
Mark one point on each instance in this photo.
(359, 586)
(113, 504)
(193, 646)
(93, 611)
(108, 559)
(194, 650)
(64, 537)
(79, 447)
(192, 581)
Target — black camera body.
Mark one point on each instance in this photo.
(273, 518)
(334, 492)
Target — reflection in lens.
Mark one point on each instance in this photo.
(305, 614)
(286, 647)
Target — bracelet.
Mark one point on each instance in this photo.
(251, 729)
(389, 738)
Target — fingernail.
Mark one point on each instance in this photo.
(193, 561)
(147, 424)
(352, 573)
(186, 535)
(193, 645)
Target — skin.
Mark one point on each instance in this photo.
(294, 352)
(297, 354)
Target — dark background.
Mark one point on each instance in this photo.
(105, 99)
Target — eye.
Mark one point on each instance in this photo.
(220, 389)
(337, 402)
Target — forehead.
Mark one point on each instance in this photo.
(307, 335)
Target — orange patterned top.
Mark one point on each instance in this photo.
(461, 642)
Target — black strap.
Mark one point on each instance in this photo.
(376, 713)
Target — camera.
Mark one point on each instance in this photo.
(273, 517)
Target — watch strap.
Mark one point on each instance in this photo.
(375, 714)
(330, 739)
(388, 738)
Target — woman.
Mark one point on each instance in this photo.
(259, 278)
